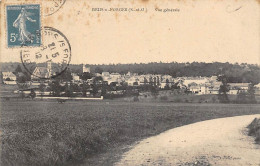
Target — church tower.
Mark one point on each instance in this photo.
(85, 69)
(49, 69)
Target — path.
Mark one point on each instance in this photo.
(214, 142)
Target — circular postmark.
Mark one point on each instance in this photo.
(52, 6)
(49, 60)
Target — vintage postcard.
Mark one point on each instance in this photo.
(129, 82)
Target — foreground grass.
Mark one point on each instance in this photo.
(48, 133)
(254, 130)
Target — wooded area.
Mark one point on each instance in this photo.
(235, 72)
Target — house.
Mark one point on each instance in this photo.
(199, 88)
(75, 77)
(197, 80)
(116, 92)
(98, 75)
(214, 78)
(257, 89)
(194, 88)
(8, 76)
(132, 81)
(204, 89)
(166, 82)
(129, 74)
(112, 80)
(85, 69)
(240, 86)
(235, 88)
(42, 72)
(105, 74)
(115, 75)
(214, 87)
(143, 79)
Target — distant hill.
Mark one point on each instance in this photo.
(235, 72)
(9, 66)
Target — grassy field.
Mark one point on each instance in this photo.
(7, 90)
(48, 133)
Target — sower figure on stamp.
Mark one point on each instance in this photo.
(20, 23)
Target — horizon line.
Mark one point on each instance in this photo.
(150, 63)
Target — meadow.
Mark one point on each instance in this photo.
(93, 133)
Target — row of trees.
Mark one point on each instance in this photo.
(242, 97)
(70, 89)
(234, 72)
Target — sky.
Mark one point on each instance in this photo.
(202, 31)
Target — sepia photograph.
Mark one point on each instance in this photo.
(129, 83)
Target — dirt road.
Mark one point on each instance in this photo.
(214, 142)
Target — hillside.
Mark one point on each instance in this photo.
(235, 72)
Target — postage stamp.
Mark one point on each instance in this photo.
(49, 60)
(23, 25)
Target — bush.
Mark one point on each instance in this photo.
(245, 98)
(254, 129)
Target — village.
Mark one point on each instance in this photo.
(105, 84)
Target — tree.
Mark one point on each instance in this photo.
(154, 91)
(85, 76)
(23, 85)
(55, 88)
(22, 95)
(68, 90)
(32, 94)
(167, 86)
(175, 86)
(98, 79)
(74, 87)
(150, 81)
(18, 69)
(251, 92)
(135, 83)
(241, 97)
(94, 88)
(42, 88)
(104, 89)
(23, 77)
(154, 81)
(84, 89)
(98, 70)
(157, 81)
(145, 81)
(66, 76)
(223, 89)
